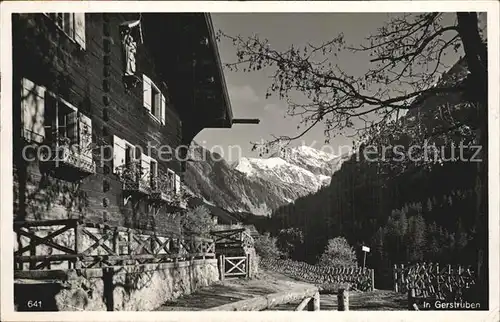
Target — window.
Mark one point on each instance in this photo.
(177, 184)
(60, 122)
(127, 160)
(145, 169)
(154, 101)
(129, 155)
(171, 179)
(174, 181)
(47, 117)
(124, 155)
(66, 126)
(132, 164)
(153, 165)
(73, 25)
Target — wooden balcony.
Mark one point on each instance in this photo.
(136, 185)
(134, 181)
(162, 190)
(69, 159)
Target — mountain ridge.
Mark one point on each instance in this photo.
(259, 185)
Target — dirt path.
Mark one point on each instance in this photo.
(232, 290)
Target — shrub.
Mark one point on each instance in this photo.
(290, 242)
(266, 246)
(198, 222)
(338, 252)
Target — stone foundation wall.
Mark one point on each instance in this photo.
(135, 288)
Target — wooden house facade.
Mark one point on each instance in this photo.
(105, 106)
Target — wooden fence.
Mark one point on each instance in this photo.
(432, 281)
(309, 298)
(232, 238)
(356, 277)
(73, 243)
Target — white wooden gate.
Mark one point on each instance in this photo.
(234, 266)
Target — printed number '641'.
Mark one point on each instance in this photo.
(32, 304)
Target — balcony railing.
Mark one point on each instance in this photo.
(133, 178)
(163, 189)
(66, 156)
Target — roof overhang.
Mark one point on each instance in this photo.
(185, 52)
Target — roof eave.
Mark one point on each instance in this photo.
(220, 71)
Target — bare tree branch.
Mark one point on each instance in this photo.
(407, 52)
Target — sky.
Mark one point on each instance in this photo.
(247, 90)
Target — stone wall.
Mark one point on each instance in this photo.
(129, 288)
(326, 277)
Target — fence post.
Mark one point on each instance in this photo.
(116, 240)
(247, 266)
(316, 301)
(221, 267)
(372, 273)
(78, 243)
(343, 300)
(395, 268)
(411, 299)
(401, 278)
(313, 304)
(130, 248)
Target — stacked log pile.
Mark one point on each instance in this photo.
(327, 278)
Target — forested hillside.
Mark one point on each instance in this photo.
(405, 210)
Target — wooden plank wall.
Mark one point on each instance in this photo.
(46, 56)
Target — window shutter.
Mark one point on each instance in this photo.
(69, 24)
(153, 165)
(80, 29)
(50, 108)
(118, 154)
(177, 184)
(32, 111)
(145, 167)
(163, 109)
(146, 82)
(171, 179)
(72, 127)
(85, 128)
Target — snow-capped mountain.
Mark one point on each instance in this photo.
(303, 166)
(260, 185)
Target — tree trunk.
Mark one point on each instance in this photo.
(477, 93)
